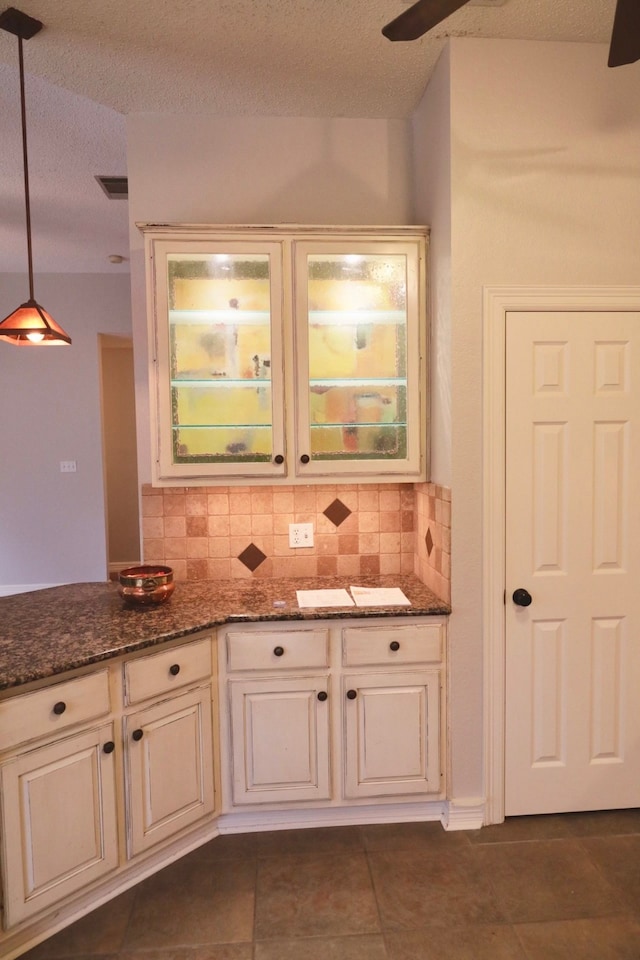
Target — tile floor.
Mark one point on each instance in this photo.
(533, 888)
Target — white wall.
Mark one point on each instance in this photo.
(545, 189)
(120, 452)
(204, 169)
(52, 527)
(431, 125)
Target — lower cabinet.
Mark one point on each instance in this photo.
(280, 730)
(59, 825)
(392, 734)
(122, 753)
(110, 773)
(299, 711)
(169, 762)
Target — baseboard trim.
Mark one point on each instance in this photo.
(254, 821)
(466, 813)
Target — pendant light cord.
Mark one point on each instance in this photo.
(26, 168)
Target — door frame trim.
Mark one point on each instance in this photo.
(497, 303)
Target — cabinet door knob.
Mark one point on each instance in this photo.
(174, 669)
(137, 734)
(109, 747)
(278, 458)
(278, 651)
(352, 694)
(322, 695)
(59, 707)
(394, 645)
(305, 458)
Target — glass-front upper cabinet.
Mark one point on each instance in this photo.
(293, 352)
(360, 357)
(217, 345)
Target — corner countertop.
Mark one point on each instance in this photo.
(47, 632)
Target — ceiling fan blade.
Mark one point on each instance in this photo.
(422, 16)
(625, 38)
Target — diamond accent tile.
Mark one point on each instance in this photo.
(252, 557)
(337, 512)
(429, 542)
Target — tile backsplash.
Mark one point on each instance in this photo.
(208, 533)
(432, 528)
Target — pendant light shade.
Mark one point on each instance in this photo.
(30, 324)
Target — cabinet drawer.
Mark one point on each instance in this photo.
(159, 673)
(412, 643)
(51, 709)
(278, 650)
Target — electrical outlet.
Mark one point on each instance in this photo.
(68, 466)
(300, 535)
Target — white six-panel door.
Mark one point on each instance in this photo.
(572, 671)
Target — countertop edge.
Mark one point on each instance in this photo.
(55, 629)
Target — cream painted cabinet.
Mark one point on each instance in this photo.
(392, 734)
(392, 710)
(327, 324)
(336, 713)
(169, 755)
(168, 744)
(59, 821)
(280, 731)
(279, 722)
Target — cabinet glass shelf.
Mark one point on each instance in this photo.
(206, 317)
(218, 381)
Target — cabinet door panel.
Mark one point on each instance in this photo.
(170, 768)
(58, 821)
(218, 346)
(392, 734)
(280, 733)
(359, 365)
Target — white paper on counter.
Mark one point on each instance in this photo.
(323, 598)
(379, 597)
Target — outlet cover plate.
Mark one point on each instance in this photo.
(300, 535)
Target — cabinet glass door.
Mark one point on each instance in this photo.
(218, 352)
(359, 393)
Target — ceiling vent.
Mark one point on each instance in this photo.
(116, 188)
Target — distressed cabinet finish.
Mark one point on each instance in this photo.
(392, 710)
(392, 734)
(287, 352)
(168, 743)
(59, 830)
(279, 722)
(335, 715)
(280, 740)
(100, 774)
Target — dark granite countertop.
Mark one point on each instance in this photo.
(48, 632)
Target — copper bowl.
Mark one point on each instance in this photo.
(146, 584)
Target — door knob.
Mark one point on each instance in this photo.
(522, 597)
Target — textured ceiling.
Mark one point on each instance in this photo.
(97, 61)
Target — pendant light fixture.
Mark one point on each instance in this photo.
(29, 324)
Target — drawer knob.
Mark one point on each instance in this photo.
(322, 695)
(59, 707)
(137, 734)
(278, 651)
(352, 694)
(305, 458)
(109, 747)
(394, 645)
(278, 458)
(174, 669)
